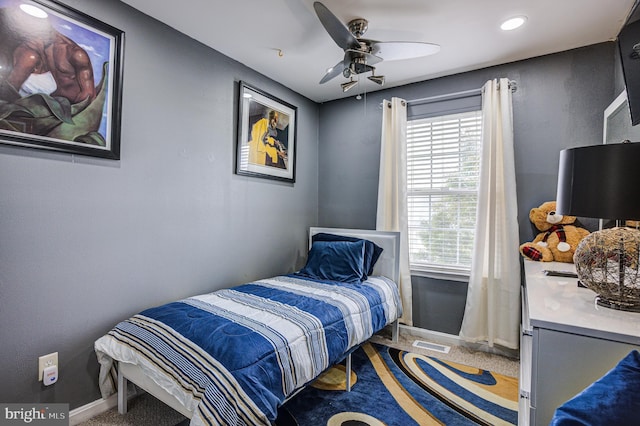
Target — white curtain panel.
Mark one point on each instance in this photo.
(392, 191)
(492, 312)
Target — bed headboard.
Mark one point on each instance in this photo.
(388, 264)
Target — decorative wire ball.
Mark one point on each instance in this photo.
(607, 263)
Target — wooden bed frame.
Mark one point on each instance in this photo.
(387, 265)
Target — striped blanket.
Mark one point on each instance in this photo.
(234, 355)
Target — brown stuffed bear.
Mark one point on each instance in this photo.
(557, 240)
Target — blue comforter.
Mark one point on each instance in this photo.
(236, 354)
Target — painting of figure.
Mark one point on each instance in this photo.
(265, 146)
(266, 143)
(59, 79)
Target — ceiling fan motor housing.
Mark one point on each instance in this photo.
(359, 66)
(358, 27)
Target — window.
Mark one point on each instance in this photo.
(443, 167)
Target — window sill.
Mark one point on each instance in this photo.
(448, 274)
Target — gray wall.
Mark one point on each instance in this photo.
(86, 242)
(559, 104)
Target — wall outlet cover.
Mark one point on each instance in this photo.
(46, 361)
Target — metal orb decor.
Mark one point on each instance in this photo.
(607, 262)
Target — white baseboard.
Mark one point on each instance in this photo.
(435, 336)
(92, 409)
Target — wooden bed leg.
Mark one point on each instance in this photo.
(348, 372)
(122, 393)
(395, 330)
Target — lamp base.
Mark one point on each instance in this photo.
(607, 263)
(618, 305)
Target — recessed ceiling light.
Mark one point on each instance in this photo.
(513, 23)
(33, 11)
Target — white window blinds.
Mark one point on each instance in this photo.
(443, 166)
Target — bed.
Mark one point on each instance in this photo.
(235, 355)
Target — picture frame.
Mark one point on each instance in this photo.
(61, 79)
(617, 122)
(266, 141)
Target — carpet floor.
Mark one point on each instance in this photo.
(433, 378)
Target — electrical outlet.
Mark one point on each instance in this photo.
(46, 361)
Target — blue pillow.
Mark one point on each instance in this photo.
(371, 250)
(610, 400)
(335, 261)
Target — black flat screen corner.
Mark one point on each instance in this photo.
(629, 49)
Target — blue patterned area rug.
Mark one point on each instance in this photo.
(394, 387)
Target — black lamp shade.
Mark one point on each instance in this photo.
(600, 181)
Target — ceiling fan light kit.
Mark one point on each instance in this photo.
(361, 54)
(378, 79)
(348, 85)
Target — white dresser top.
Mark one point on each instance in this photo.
(558, 303)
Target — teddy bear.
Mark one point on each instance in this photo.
(557, 240)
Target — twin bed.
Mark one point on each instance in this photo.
(235, 355)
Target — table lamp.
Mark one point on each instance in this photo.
(600, 181)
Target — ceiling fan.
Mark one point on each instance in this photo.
(361, 54)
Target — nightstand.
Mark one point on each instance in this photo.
(567, 341)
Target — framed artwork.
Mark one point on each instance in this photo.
(266, 145)
(60, 79)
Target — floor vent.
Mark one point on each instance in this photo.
(431, 346)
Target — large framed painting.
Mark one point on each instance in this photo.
(60, 79)
(266, 145)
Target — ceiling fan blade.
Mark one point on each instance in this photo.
(397, 50)
(333, 72)
(336, 29)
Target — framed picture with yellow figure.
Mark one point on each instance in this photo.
(266, 144)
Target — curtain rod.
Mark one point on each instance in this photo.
(445, 97)
(455, 95)
(513, 85)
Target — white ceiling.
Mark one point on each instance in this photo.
(253, 32)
